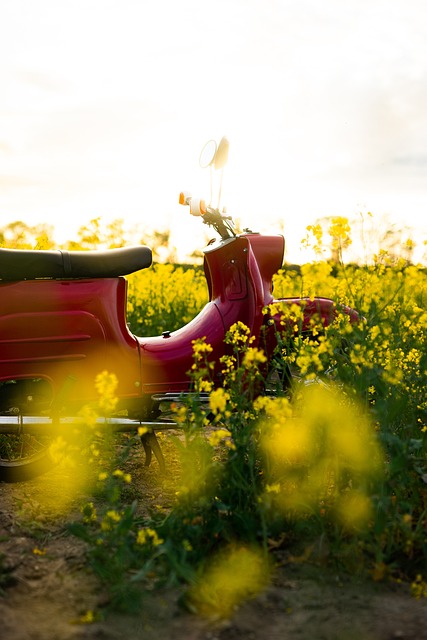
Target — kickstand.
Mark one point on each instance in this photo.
(151, 444)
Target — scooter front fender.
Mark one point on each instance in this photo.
(324, 310)
(278, 322)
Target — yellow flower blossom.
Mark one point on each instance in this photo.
(273, 488)
(253, 357)
(87, 618)
(201, 348)
(221, 436)
(239, 335)
(218, 400)
(419, 588)
(106, 385)
(126, 477)
(89, 513)
(236, 574)
(148, 536)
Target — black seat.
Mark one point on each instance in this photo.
(20, 264)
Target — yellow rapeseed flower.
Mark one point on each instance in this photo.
(419, 588)
(221, 436)
(148, 536)
(89, 514)
(218, 400)
(106, 385)
(233, 576)
(253, 357)
(201, 348)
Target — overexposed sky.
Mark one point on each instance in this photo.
(105, 105)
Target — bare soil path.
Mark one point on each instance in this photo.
(47, 588)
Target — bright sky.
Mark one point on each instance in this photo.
(105, 105)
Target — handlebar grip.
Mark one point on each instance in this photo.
(184, 197)
(197, 207)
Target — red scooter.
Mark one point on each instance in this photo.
(63, 321)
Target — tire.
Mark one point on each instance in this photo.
(24, 457)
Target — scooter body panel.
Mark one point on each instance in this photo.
(167, 360)
(239, 273)
(238, 291)
(67, 332)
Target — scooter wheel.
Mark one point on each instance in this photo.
(23, 457)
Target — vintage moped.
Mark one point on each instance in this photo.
(63, 321)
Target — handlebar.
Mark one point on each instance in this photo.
(222, 224)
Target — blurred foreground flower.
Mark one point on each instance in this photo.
(230, 578)
(325, 452)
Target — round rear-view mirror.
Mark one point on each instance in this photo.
(221, 155)
(207, 155)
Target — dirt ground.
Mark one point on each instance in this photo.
(48, 589)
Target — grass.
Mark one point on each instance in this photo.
(334, 472)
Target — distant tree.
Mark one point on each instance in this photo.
(19, 235)
(160, 244)
(111, 235)
(96, 235)
(384, 240)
